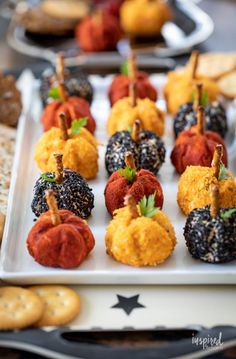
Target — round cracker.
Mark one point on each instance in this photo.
(227, 85)
(19, 308)
(62, 304)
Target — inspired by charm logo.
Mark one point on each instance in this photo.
(208, 341)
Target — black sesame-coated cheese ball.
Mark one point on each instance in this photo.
(211, 240)
(76, 84)
(73, 193)
(148, 152)
(215, 118)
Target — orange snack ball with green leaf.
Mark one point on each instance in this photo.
(196, 146)
(77, 145)
(127, 110)
(128, 181)
(180, 86)
(72, 106)
(195, 184)
(140, 235)
(59, 238)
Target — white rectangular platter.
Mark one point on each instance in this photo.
(17, 266)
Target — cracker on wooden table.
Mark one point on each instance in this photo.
(19, 308)
(62, 304)
(216, 64)
(227, 85)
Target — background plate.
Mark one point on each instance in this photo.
(190, 27)
(19, 267)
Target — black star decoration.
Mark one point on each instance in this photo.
(128, 304)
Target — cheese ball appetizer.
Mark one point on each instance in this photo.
(144, 18)
(74, 107)
(77, 145)
(215, 115)
(140, 235)
(196, 146)
(195, 183)
(76, 84)
(210, 232)
(59, 238)
(180, 86)
(147, 148)
(98, 32)
(70, 189)
(120, 84)
(125, 111)
(128, 181)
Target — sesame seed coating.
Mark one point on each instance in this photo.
(76, 84)
(215, 118)
(73, 194)
(211, 240)
(148, 153)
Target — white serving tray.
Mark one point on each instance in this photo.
(17, 266)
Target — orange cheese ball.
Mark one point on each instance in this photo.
(139, 241)
(180, 87)
(80, 152)
(144, 17)
(194, 189)
(123, 115)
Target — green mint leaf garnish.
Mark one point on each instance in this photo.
(124, 68)
(204, 98)
(147, 206)
(223, 175)
(129, 129)
(46, 178)
(54, 93)
(228, 213)
(77, 125)
(128, 173)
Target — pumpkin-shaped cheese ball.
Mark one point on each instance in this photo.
(98, 32)
(127, 110)
(78, 146)
(195, 183)
(144, 17)
(128, 181)
(210, 232)
(180, 86)
(70, 189)
(215, 114)
(120, 85)
(59, 238)
(140, 235)
(74, 107)
(196, 146)
(146, 147)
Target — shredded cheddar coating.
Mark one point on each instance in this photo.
(194, 189)
(180, 87)
(79, 152)
(140, 241)
(123, 115)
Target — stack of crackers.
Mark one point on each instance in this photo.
(220, 67)
(38, 306)
(7, 146)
